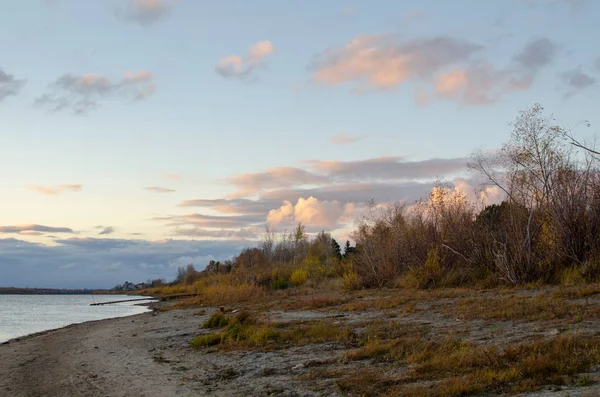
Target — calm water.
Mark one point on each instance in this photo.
(25, 314)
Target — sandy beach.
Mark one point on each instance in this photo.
(150, 355)
(142, 355)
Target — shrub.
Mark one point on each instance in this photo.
(280, 283)
(298, 277)
(217, 320)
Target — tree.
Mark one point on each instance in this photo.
(348, 249)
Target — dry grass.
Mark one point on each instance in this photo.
(451, 367)
(577, 292)
(542, 307)
(315, 302)
(244, 331)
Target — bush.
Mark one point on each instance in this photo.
(298, 277)
(280, 283)
(217, 320)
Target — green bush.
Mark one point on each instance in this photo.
(217, 320)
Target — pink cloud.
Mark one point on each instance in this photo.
(55, 189)
(345, 138)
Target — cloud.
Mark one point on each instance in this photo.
(198, 232)
(84, 93)
(537, 54)
(344, 138)
(322, 194)
(385, 62)
(482, 195)
(23, 229)
(309, 211)
(252, 183)
(30, 233)
(245, 67)
(211, 221)
(146, 12)
(106, 230)
(576, 81)
(156, 189)
(103, 263)
(9, 85)
(172, 176)
(58, 189)
(232, 206)
(387, 168)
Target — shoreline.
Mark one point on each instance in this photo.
(47, 331)
(92, 358)
(148, 305)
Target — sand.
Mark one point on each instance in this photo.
(143, 355)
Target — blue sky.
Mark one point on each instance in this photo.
(145, 134)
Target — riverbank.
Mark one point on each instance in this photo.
(367, 343)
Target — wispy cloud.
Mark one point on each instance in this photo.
(9, 85)
(105, 230)
(245, 67)
(448, 65)
(55, 189)
(81, 94)
(576, 80)
(386, 61)
(146, 12)
(172, 176)
(344, 138)
(251, 183)
(158, 189)
(21, 229)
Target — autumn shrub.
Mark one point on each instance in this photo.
(298, 277)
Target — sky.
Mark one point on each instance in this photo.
(137, 136)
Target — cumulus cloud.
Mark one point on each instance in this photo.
(344, 138)
(482, 195)
(576, 80)
(84, 93)
(310, 211)
(9, 85)
(245, 67)
(446, 64)
(157, 189)
(53, 190)
(146, 12)
(24, 229)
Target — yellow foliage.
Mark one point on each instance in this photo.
(298, 277)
